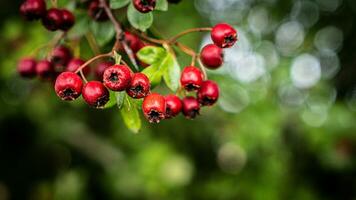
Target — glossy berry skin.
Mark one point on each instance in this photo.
(75, 63)
(212, 56)
(100, 68)
(190, 107)
(173, 106)
(154, 107)
(45, 69)
(191, 78)
(144, 6)
(68, 86)
(133, 41)
(68, 20)
(224, 35)
(208, 93)
(53, 19)
(33, 9)
(60, 56)
(26, 67)
(117, 77)
(95, 94)
(139, 86)
(97, 12)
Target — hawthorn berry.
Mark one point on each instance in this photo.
(144, 6)
(224, 35)
(100, 68)
(97, 12)
(95, 94)
(133, 41)
(53, 19)
(173, 106)
(45, 69)
(208, 93)
(33, 9)
(60, 56)
(68, 86)
(139, 86)
(191, 78)
(117, 77)
(154, 107)
(212, 56)
(68, 20)
(75, 63)
(190, 107)
(26, 67)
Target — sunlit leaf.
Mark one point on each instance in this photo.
(161, 5)
(151, 54)
(130, 114)
(172, 72)
(139, 20)
(115, 4)
(112, 100)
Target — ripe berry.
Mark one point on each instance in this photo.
(75, 63)
(68, 86)
(60, 56)
(191, 107)
(33, 9)
(224, 35)
(154, 107)
(191, 78)
(45, 69)
(173, 106)
(208, 93)
(97, 12)
(53, 19)
(27, 67)
(68, 20)
(95, 94)
(139, 86)
(133, 41)
(144, 6)
(100, 68)
(212, 56)
(117, 77)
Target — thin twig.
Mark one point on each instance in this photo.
(176, 37)
(93, 59)
(202, 68)
(83, 77)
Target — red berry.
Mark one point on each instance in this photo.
(212, 56)
(173, 106)
(68, 86)
(100, 68)
(139, 86)
(95, 94)
(33, 9)
(117, 77)
(144, 6)
(60, 56)
(96, 11)
(191, 78)
(208, 93)
(191, 107)
(75, 63)
(45, 69)
(154, 107)
(224, 35)
(133, 41)
(53, 19)
(68, 20)
(27, 67)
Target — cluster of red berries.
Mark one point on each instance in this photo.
(53, 19)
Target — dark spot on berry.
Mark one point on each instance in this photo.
(192, 114)
(207, 101)
(155, 117)
(191, 87)
(100, 103)
(113, 77)
(230, 40)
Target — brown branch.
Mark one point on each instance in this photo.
(176, 37)
(110, 54)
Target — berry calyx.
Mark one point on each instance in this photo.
(68, 20)
(95, 94)
(144, 6)
(60, 56)
(154, 107)
(53, 19)
(75, 63)
(26, 67)
(45, 69)
(173, 106)
(100, 68)
(68, 86)
(33, 9)
(191, 78)
(224, 35)
(139, 86)
(117, 77)
(212, 56)
(97, 12)
(208, 93)
(191, 107)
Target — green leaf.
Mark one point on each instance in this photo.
(103, 31)
(112, 100)
(151, 54)
(120, 97)
(117, 58)
(130, 114)
(139, 20)
(161, 5)
(154, 74)
(172, 73)
(115, 4)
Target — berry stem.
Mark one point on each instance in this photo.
(202, 68)
(54, 3)
(82, 75)
(173, 39)
(92, 60)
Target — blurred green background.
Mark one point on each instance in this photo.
(285, 126)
